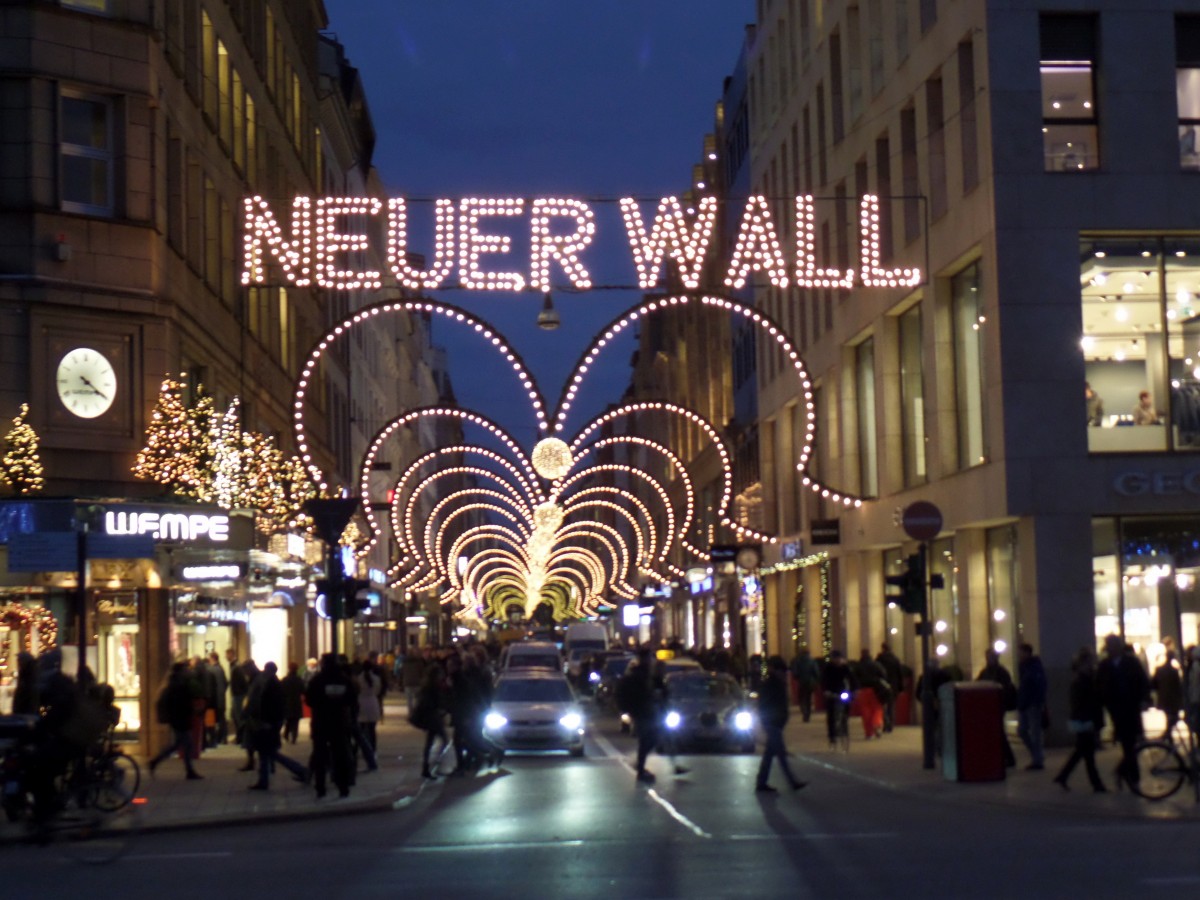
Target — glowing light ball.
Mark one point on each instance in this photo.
(552, 458)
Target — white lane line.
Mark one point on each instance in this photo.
(472, 848)
(209, 854)
(611, 751)
(819, 836)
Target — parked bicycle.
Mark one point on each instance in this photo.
(839, 705)
(1166, 763)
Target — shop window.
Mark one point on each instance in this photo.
(1070, 133)
(1187, 89)
(968, 321)
(912, 396)
(1004, 611)
(864, 378)
(86, 154)
(1141, 343)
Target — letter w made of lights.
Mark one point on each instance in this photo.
(565, 523)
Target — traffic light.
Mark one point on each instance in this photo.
(909, 585)
(354, 604)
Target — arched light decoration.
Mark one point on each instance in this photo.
(552, 458)
(362, 318)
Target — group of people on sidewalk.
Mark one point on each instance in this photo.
(344, 701)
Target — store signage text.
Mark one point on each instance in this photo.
(326, 232)
(215, 572)
(1157, 484)
(168, 526)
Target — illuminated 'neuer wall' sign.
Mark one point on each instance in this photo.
(321, 237)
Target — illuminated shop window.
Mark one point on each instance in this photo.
(86, 154)
(1141, 343)
(868, 458)
(966, 297)
(912, 396)
(1070, 133)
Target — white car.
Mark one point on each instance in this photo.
(533, 709)
(525, 655)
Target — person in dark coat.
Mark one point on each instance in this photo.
(773, 716)
(220, 687)
(331, 697)
(175, 708)
(428, 714)
(1168, 691)
(25, 699)
(638, 697)
(1031, 704)
(995, 671)
(293, 702)
(265, 706)
(1124, 690)
(894, 670)
(239, 684)
(808, 676)
(1086, 720)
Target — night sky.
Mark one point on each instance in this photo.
(594, 99)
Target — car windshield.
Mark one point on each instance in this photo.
(616, 667)
(702, 688)
(533, 661)
(519, 690)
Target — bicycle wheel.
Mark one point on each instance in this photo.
(118, 778)
(83, 832)
(843, 730)
(1162, 769)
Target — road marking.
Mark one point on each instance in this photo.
(819, 836)
(611, 751)
(498, 845)
(210, 854)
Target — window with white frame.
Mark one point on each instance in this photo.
(86, 154)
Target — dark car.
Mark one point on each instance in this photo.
(606, 685)
(707, 710)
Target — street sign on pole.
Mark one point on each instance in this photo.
(922, 521)
(331, 515)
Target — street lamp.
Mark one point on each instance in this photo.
(548, 319)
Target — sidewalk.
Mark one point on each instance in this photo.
(894, 762)
(169, 801)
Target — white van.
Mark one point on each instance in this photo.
(585, 636)
(531, 655)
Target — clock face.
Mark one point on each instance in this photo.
(87, 384)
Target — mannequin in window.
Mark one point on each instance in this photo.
(1095, 405)
(1144, 413)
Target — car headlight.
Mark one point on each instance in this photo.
(594, 677)
(495, 721)
(571, 721)
(743, 721)
(673, 719)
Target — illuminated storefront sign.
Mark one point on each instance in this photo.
(215, 572)
(319, 243)
(167, 526)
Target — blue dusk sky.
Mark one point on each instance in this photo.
(595, 99)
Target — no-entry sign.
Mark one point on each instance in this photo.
(922, 520)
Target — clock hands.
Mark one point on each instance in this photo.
(95, 390)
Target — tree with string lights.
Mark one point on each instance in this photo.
(169, 455)
(21, 468)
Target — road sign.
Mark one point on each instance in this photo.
(331, 515)
(922, 520)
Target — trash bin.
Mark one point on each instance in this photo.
(972, 731)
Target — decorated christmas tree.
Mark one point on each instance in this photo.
(168, 456)
(21, 468)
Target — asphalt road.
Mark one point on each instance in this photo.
(560, 827)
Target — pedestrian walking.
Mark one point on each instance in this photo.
(412, 675)
(265, 707)
(995, 671)
(1124, 690)
(638, 697)
(174, 708)
(1086, 720)
(220, 688)
(773, 716)
(1191, 692)
(370, 709)
(330, 696)
(293, 702)
(429, 715)
(873, 691)
(807, 676)
(249, 672)
(1168, 690)
(1031, 705)
(894, 671)
(239, 684)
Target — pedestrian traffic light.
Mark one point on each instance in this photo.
(909, 586)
